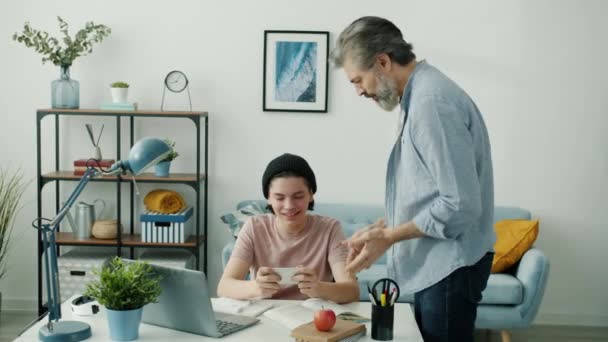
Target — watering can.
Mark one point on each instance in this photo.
(85, 218)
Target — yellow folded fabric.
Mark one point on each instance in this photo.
(164, 201)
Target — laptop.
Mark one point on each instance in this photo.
(184, 305)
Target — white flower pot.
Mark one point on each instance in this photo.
(119, 95)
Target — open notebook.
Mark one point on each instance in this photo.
(295, 315)
(250, 307)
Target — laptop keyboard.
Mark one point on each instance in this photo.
(226, 328)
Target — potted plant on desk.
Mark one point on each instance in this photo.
(162, 168)
(124, 289)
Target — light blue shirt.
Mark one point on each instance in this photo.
(440, 176)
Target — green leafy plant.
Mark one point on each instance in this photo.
(72, 48)
(125, 286)
(12, 188)
(119, 84)
(173, 154)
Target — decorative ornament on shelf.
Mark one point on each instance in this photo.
(120, 92)
(64, 91)
(162, 168)
(176, 81)
(94, 141)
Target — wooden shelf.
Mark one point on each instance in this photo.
(144, 177)
(135, 113)
(134, 240)
(128, 240)
(197, 180)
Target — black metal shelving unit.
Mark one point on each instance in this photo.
(126, 240)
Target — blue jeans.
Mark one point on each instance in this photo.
(447, 310)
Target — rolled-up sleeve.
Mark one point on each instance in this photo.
(444, 144)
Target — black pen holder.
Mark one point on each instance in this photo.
(382, 322)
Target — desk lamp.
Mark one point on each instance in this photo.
(145, 153)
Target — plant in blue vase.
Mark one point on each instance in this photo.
(124, 289)
(162, 168)
(62, 52)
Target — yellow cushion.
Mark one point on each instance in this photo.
(513, 239)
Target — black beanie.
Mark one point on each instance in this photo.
(288, 162)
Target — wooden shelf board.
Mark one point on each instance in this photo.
(135, 241)
(144, 177)
(128, 240)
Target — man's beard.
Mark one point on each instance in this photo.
(386, 94)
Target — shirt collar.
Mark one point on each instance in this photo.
(405, 97)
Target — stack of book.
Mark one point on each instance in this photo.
(298, 317)
(166, 228)
(119, 106)
(343, 331)
(80, 165)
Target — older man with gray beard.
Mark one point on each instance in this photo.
(439, 201)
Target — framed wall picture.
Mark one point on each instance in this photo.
(295, 71)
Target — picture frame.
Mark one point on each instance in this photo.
(295, 71)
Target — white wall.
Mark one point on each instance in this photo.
(536, 69)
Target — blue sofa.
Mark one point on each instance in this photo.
(510, 301)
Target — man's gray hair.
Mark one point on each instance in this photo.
(367, 37)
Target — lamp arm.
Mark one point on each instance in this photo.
(49, 246)
(89, 173)
(116, 169)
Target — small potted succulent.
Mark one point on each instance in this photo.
(162, 168)
(120, 91)
(124, 288)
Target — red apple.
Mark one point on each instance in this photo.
(325, 319)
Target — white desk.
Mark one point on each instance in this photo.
(405, 328)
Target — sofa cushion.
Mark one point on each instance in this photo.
(513, 239)
(236, 219)
(503, 289)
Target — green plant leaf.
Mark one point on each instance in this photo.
(12, 188)
(48, 46)
(123, 286)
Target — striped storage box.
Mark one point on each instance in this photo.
(75, 269)
(166, 228)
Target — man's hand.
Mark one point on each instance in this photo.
(367, 245)
(266, 282)
(308, 282)
(354, 243)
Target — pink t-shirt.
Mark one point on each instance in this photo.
(260, 243)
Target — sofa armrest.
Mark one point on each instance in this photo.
(532, 271)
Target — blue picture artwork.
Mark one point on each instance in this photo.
(296, 72)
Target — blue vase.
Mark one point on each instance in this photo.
(65, 92)
(124, 324)
(162, 169)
